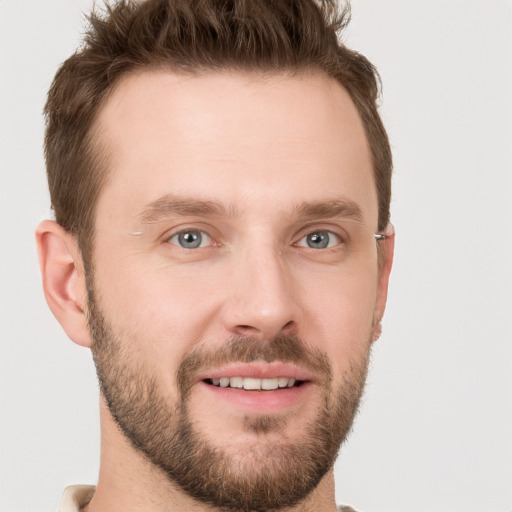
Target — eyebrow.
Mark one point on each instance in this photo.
(174, 205)
(338, 207)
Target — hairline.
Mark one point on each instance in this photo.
(98, 149)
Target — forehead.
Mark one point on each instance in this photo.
(245, 139)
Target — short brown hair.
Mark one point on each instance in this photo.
(189, 36)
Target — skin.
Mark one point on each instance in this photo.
(260, 145)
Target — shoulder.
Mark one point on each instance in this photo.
(75, 497)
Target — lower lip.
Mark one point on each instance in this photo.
(261, 401)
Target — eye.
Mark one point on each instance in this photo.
(320, 240)
(191, 239)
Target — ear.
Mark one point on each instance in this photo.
(385, 263)
(63, 280)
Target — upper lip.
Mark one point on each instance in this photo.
(257, 370)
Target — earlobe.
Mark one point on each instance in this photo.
(63, 280)
(385, 265)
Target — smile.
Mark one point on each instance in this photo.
(249, 383)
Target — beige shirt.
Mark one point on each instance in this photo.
(76, 496)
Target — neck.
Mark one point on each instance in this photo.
(128, 482)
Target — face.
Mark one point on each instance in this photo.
(236, 281)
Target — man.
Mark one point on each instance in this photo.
(221, 183)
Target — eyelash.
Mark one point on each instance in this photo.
(202, 234)
(321, 232)
(183, 232)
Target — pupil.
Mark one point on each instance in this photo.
(319, 240)
(190, 239)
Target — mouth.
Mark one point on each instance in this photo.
(258, 387)
(254, 384)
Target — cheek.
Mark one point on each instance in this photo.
(162, 306)
(339, 315)
(156, 307)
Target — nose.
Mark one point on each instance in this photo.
(262, 299)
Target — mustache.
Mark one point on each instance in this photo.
(283, 348)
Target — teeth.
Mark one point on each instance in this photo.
(236, 382)
(269, 383)
(253, 384)
(283, 382)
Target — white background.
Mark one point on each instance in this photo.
(435, 430)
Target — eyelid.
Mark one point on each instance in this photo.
(330, 227)
(166, 238)
(338, 237)
(205, 239)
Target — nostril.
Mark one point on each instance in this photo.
(265, 332)
(246, 330)
(289, 325)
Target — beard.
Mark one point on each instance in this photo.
(269, 473)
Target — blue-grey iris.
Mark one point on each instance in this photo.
(318, 239)
(190, 239)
